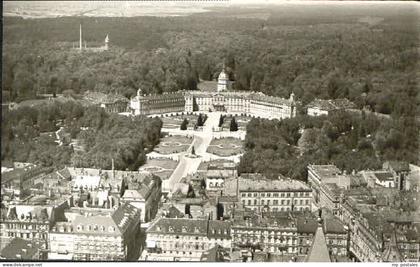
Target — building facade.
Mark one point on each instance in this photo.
(173, 239)
(261, 194)
(221, 100)
(96, 235)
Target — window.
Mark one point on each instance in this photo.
(276, 202)
(249, 202)
(268, 194)
(255, 202)
(243, 202)
(268, 202)
(262, 202)
(263, 194)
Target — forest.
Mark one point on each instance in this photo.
(328, 54)
(103, 136)
(322, 56)
(351, 141)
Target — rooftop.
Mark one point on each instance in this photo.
(333, 226)
(331, 104)
(325, 171)
(257, 182)
(20, 249)
(104, 221)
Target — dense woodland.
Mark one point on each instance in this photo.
(104, 136)
(351, 141)
(318, 53)
(329, 54)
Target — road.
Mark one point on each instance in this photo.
(189, 165)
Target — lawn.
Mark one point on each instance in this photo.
(241, 120)
(173, 144)
(225, 147)
(174, 122)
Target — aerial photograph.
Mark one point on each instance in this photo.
(210, 131)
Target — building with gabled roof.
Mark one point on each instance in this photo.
(324, 107)
(254, 104)
(30, 222)
(96, 234)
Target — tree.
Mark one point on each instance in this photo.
(233, 125)
(200, 121)
(184, 125)
(221, 120)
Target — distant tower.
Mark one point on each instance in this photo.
(80, 38)
(106, 42)
(222, 82)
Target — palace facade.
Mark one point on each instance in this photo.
(223, 100)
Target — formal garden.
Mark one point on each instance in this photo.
(173, 144)
(225, 147)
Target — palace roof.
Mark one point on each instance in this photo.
(331, 104)
(101, 98)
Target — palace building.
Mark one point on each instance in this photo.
(255, 104)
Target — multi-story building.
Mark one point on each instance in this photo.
(261, 194)
(29, 222)
(170, 239)
(336, 237)
(96, 235)
(318, 174)
(274, 235)
(18, 182)
(157, 104)
(216, 175)
(223, 100)
(144, 192)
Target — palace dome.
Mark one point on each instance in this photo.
(223, 75)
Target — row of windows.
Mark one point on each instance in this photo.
(288, 194)
(276, 202)
(282, 209)
(27, 235)
(24, 226)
